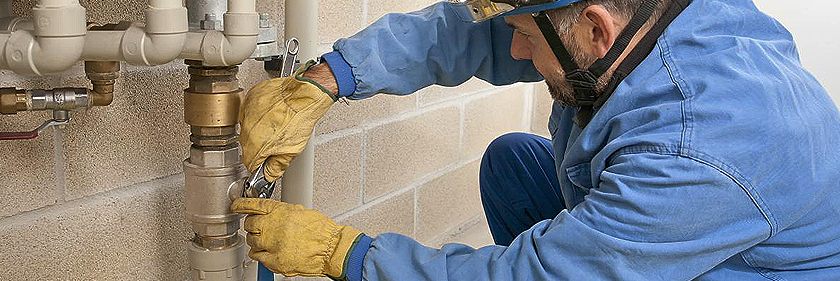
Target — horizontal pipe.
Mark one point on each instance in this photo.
(161, 41)
(57, 3)
(158, 42)
(63, 39)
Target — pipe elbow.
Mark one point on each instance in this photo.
(220, 50)
(58, 54)
(101, 98)
(238, 49)
(161, 49)
(165, 32)
(55, 44)
(237, 43)
(28, 55)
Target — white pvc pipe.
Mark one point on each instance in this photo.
(301, 23)
(232, 47)
(166, 37)
(158, 42)
(165, 4)
(6, 9)
(239, 6)
(55, 44)
(57, 3)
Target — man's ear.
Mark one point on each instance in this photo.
(599, 30)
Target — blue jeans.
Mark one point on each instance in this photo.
(519, 185)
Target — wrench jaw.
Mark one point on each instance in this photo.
(257, 186)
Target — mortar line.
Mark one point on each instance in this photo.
(122, 192)
(365, 13)
(466, 95)
(412, 185)
(363, 170)
(331, 136)
(456, 230)
(403, 116)
(59, 165)
(416, 213)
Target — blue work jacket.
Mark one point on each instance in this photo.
(715, 159)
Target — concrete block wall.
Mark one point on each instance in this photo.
(102, 198)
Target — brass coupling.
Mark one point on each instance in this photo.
(212, 110)
(103, 75)
(12, 100)
(211, 104)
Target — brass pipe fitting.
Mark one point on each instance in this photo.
(103, 75)
(213, 170)
(12, 100)
(213, 97)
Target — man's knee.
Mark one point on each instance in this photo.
(506, 146)
(500, 154)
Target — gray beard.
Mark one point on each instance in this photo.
(560, 89)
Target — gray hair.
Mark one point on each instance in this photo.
(563, 18)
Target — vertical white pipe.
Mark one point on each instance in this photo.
(301, 23)
(6, 8)
(165, 4)
(239, 6)
(57, 3)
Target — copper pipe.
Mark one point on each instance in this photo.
(103, 75)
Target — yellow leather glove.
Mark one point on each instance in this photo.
(294, 241)
(277, 119)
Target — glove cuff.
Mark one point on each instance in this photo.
(306, 67)
(354, 264)
(337, 264)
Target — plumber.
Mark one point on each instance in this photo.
(687, 143)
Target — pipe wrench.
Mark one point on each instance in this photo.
(256, 186)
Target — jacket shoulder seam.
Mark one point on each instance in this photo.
(682, 86)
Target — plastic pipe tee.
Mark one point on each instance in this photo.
(235, 45)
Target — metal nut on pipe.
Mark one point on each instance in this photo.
(217, 264)
(12, 100)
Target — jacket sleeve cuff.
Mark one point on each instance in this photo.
(357, 258)
(342, 72)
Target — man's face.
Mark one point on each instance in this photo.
(529, 44)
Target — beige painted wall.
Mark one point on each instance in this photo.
(101, 199)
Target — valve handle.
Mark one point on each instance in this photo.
(7, 136)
